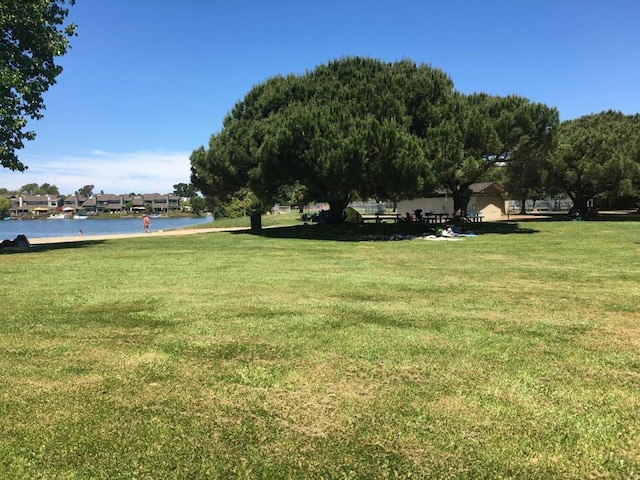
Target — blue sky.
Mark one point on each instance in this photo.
(148, 81)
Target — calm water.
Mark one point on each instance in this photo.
(10, 229)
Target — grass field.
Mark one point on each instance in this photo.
(308, 352)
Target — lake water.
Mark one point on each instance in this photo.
(10, 229)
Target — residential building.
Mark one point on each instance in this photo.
(35, 205)
(45, 205)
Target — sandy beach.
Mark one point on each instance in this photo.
(160, 233)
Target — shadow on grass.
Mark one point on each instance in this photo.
(45, 247)
(563, 217)
(369, 231)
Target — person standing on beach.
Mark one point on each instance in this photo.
(146, 223)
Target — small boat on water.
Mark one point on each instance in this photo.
(80, 217)
(58, 216)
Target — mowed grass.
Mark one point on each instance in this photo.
(311, 353)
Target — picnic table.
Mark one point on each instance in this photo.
(436, 217)
(379, 217)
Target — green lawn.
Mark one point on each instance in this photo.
(308, 352)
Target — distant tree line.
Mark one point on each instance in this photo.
(359, 128)
(32, 189)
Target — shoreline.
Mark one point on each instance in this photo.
(193, 231)
(189, 231)
(180, 231)
(159, 233)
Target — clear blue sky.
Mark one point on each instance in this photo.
(148, 81)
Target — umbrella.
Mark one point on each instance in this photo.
(67, 209)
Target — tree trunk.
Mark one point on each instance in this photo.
(461, 197)
(336, 209)
(523, 205)
(580, 205)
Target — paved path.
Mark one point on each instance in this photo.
(160, 233)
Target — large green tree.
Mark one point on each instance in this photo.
(33, 34)
(526, 171)
(491, 132)
(599, 154)
(353, 128)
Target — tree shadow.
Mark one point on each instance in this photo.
(368, 231)
(45, 247)
(563, 217)
(616, 217)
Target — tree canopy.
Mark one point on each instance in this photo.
(33, 35)
(35, 189)
(186, 190)
(362, 128)
(197, 204)
(85, 191)
(353, 128)
(490, 132)
(599, 154)
(5, 206)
